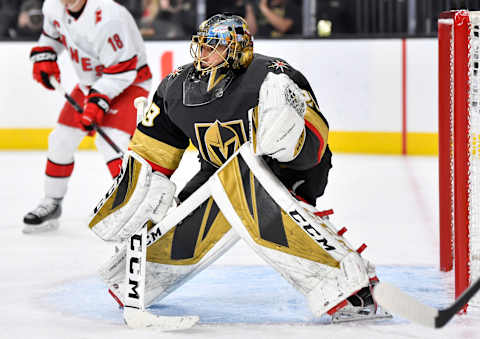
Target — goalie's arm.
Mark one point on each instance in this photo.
(143, 190)
(157, 139)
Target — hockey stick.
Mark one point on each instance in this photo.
(134, 313)
(398, 302)
(79, 109)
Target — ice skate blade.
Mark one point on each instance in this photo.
(47, 226)
(349, 317)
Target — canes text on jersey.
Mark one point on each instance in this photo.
(84, 61)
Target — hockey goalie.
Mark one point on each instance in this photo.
(264, 157)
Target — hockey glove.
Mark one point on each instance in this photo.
(96, 107)
(44, 65)
(281, 126)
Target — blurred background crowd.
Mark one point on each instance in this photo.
(178, 19)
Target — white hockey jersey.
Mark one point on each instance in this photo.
(104, 44)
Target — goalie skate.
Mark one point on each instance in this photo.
(358, 307)
(44, 217)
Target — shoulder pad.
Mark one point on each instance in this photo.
(173, 76)
(279, 66)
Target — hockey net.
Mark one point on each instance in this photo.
(459, 146)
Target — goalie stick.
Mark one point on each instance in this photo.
(399, 302)
(134, 313)
(79, 109)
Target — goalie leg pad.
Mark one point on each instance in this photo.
(302, 247)
(161, 279)
(192, 236)
(137, 194)
(338, 284)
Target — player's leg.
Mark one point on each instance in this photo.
(198, 239)
(178, 256)
(119, 124)
(361, 304)
(112, 159)
(302, 247)
(197, 234)
(123, 114)
(62, 144)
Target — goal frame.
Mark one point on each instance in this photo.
(453, 135)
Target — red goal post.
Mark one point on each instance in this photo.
(458, 135)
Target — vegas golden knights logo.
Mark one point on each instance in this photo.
(219, 140)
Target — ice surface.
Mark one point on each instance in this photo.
(50, 288)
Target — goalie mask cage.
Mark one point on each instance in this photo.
(459, 145)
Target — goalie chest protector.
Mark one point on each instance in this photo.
(212, 112)
(218, 126)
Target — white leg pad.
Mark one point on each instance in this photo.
(338, 285)
(162, 279)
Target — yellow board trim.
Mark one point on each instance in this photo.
(339, 141)
(33, 139)
(422, 143)
(383, 142)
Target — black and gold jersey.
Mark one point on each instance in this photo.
(212, 113)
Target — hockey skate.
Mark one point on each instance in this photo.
(44, 218)
(358, 307)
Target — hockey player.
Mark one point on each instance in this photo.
(212, 102)
(108, 55)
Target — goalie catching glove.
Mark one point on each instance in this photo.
(280, 127)
(138, 194)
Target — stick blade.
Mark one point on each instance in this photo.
(398, 302)
(135, 318)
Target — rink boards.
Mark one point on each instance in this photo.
(380, 96)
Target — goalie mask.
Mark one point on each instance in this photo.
(222, 47)
(226, 36)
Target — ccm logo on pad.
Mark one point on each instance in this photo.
(311, 231)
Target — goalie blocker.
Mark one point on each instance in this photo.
(137, 193)
(244, 200)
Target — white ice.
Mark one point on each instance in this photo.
(50, 289)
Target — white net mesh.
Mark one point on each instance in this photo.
(474, 153)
